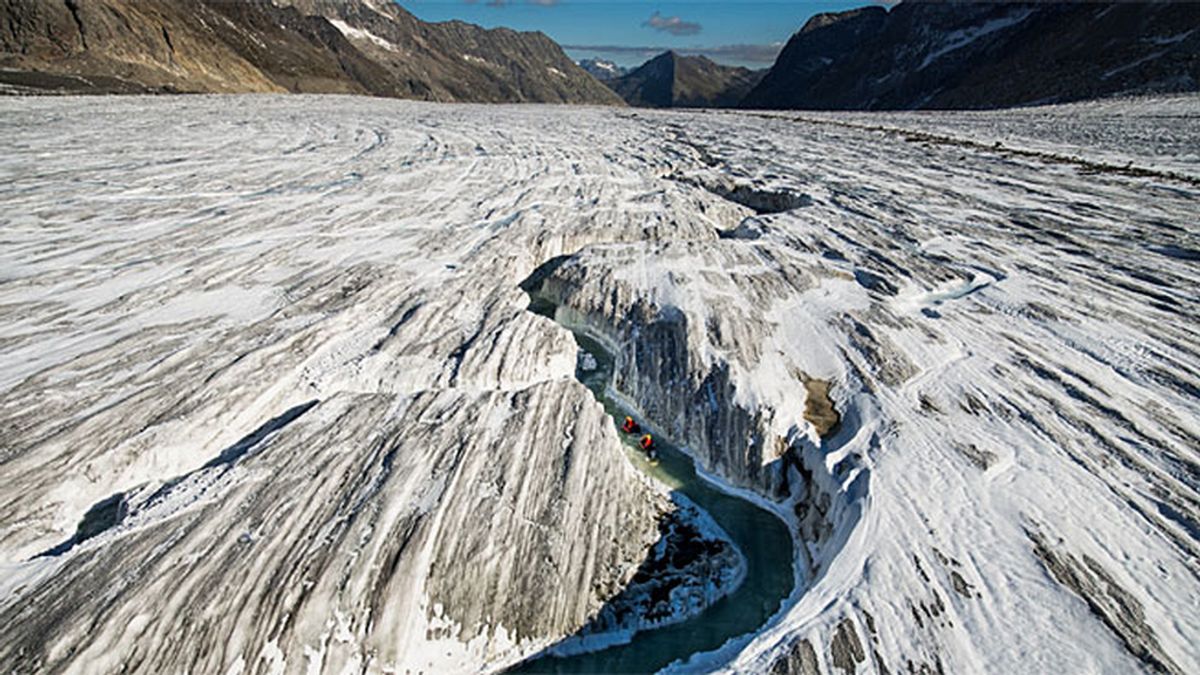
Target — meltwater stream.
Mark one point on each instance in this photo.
(761, 536)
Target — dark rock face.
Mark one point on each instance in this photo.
(673, 81)
(983, 55)
(649, 85)
(309, 46)
(808, 63)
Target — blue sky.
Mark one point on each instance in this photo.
(737, 32)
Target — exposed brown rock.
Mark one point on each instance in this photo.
(818, 407)
(305, 46)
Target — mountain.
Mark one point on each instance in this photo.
(670, 80)
(983, 55)
(602, 69)
(311, 46)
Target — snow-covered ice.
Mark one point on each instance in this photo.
(286, 334)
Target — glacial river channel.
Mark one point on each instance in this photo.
(761, 536)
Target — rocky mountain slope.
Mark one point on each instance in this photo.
(319, 46)
(671, 80)
(983, 55)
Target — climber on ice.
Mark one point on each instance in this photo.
(629, 426)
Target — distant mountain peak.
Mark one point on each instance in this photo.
(672, 80)
(602, 69)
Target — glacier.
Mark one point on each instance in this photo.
(272, 397)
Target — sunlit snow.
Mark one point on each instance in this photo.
(287, 334)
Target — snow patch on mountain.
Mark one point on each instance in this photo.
(962, 37)
(360, 34)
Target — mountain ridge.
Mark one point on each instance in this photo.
(300, 46)
(965, 55)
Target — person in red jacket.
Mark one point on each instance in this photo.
(647, 444)
(629, 426)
